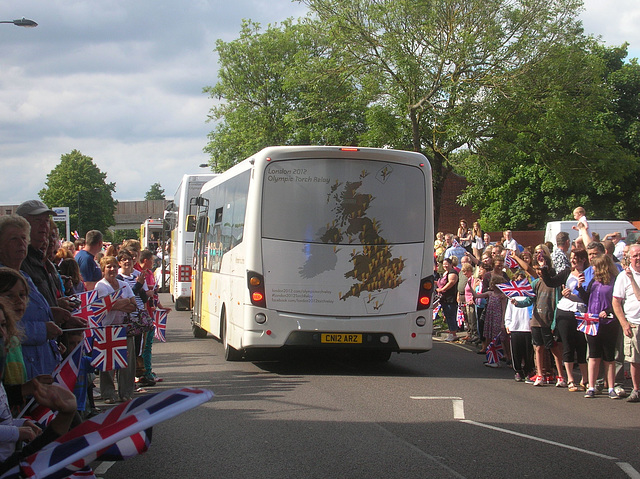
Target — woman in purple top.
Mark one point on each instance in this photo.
(598, 296)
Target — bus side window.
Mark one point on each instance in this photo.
(191, 223)
(218, 218)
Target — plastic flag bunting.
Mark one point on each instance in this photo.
(517, 288)
(588, 323)
(160, 324)
(119, 433)
(495, 351)
(109, 348)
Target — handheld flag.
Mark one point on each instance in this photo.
(509, 261)
(119, 433)
(83, 300)
(460, 316)
(516, 288)
(495, 351)
(101, 306)
(588, 323)
(110, 348)
(436, 310)
(160, 324)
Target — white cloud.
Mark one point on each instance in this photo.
(122, 81)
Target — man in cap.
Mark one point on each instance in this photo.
(38, 215)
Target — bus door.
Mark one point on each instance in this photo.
(199, 257)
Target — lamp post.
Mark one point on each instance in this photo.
(21, 22)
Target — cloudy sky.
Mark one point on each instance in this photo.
(122, 81)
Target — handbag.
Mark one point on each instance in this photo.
(138, 322)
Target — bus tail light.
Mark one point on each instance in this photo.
(255, 282)
(184, 273)
(426, 293)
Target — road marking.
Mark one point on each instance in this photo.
(458, 413)
(104, 467)
(458, 404)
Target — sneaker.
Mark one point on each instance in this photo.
(560, 382)
(599, 387)
(156, 378)
(634, 396)
(491, 365)
(539, 381)
(613, 394)
(518, 378)
(146, 382)
(450, 338)
(620, 391)
(549, 379)
(591, 393)
(530, 379)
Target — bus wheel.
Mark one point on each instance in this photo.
(198, 332)
(230, 353)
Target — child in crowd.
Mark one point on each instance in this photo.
(579, 214)
(517, 322)
(11, 430)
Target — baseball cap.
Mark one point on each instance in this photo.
(33, 207)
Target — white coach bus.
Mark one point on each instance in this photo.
(181, 219)
(317, 247)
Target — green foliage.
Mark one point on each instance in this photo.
(280, 87)
(552, 147)
(76, 182)
(156, 192)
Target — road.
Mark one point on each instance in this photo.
(439, 414)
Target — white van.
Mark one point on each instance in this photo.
(602, 227)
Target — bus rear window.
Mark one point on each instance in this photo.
(344, 202)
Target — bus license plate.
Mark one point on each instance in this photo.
(341, 338)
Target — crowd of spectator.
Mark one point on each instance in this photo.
(582, 306)
(39, 278)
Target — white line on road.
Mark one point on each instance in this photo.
(458, 404)
(458, 413)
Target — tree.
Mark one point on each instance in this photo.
(440, 62)
(557, 142)
(76, 182)
(280, 87)
(155, 192)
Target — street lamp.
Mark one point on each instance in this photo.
(21, 22)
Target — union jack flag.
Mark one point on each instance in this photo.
(517, 288)
(160, 324)
(88, 334)
(109, 348)
(66, 375)
(509, 261)
(436, 310)
(454, 243)
(495, 351)
(588, 323)
(101, 306)
(460, 316)
(120, 433)
(83, 300)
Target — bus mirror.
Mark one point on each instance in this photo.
(191, 223)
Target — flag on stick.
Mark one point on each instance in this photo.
(109, 348)
(517, 288)
(588, 323)
(160, 324)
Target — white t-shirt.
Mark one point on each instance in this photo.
(104, 288)
(511, 244)
(622, 289)
(517, 319)
(565, 304)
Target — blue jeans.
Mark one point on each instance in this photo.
(450, 311)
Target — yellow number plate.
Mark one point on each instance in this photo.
(341, 338)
